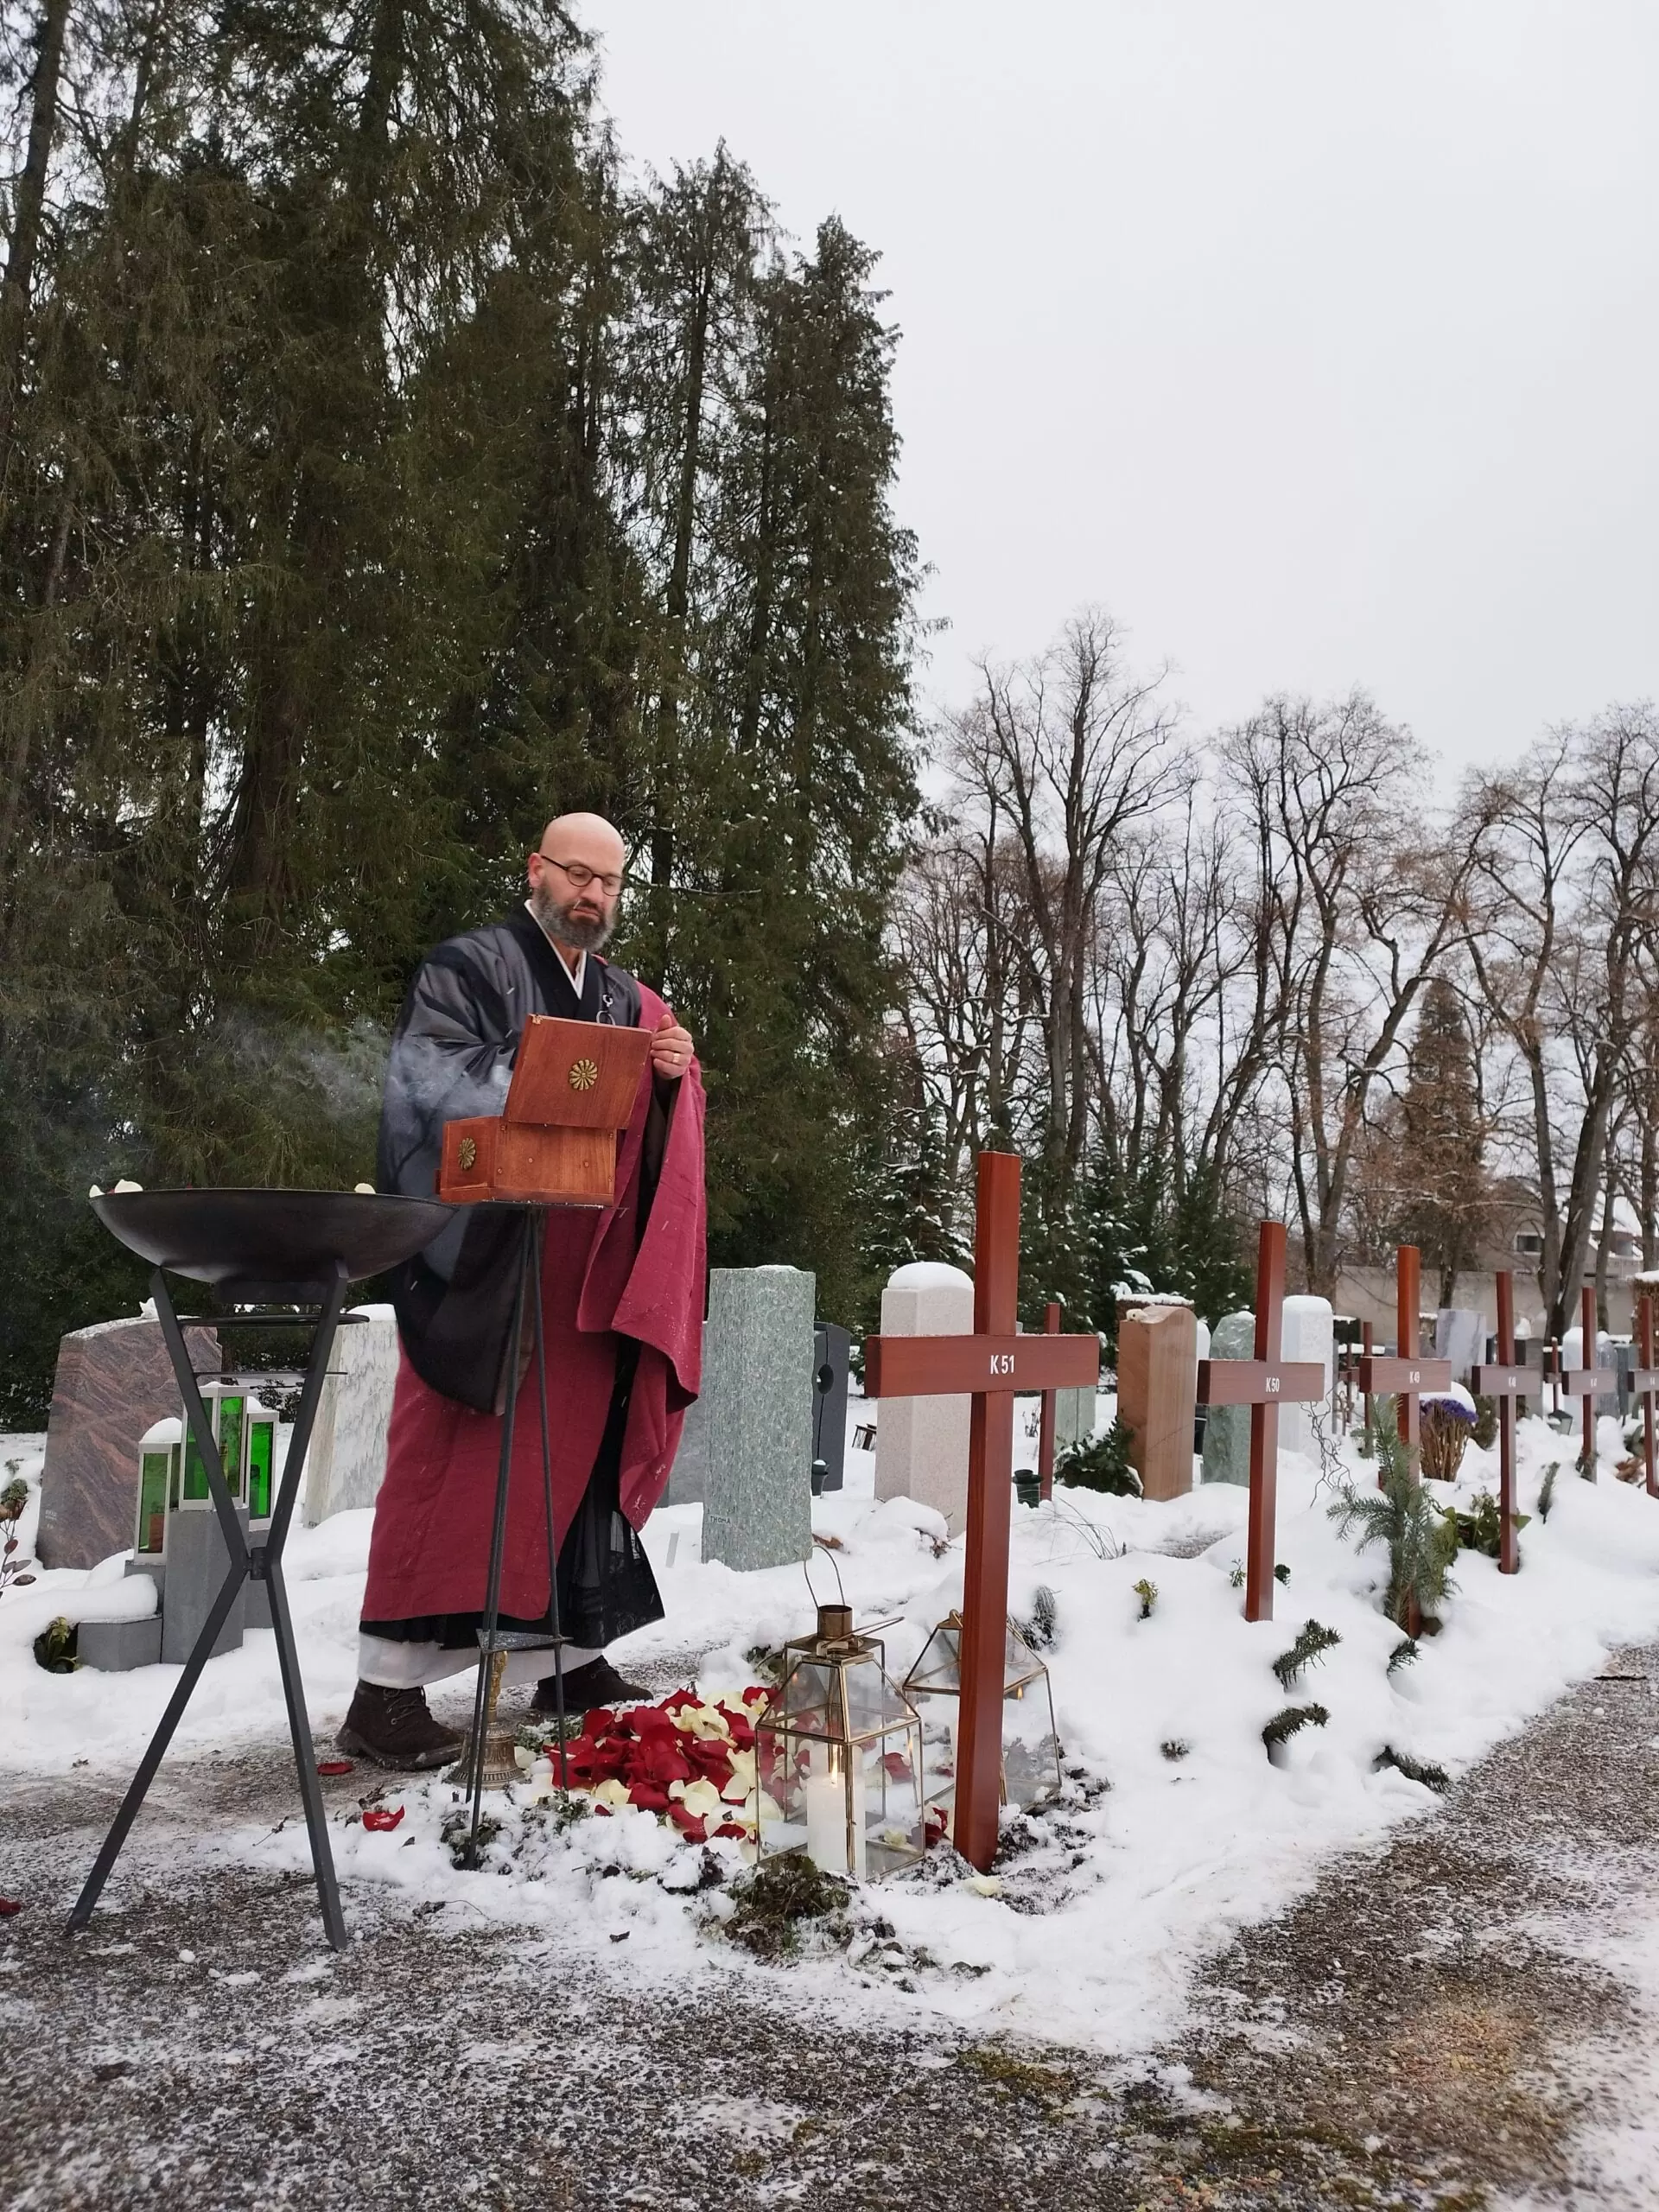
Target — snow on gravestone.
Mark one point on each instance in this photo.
(347, 1463)
(1227, 1428)
(113, 1381)
(758, 1364)
(921, 1444)
(1308, 1333)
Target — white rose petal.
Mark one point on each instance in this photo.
(701, 1798)
(613, 1794)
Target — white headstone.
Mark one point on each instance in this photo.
(1460, 1336)
(921, 1444)
(1309, 1332)
(347, 1463)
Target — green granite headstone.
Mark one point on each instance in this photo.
(757, 1368)
(1227, 1428)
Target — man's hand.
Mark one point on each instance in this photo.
(671, 1050)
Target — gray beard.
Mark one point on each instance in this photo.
(581, 937)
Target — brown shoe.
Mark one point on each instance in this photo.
(597, 1683)
(395, 1729)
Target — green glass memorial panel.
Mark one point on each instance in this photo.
(195, 1474)
(231, 1413)
(152, 1502)
(261, 1444)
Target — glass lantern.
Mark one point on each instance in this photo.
(158, 1486)
(1030, 1744)
(227, 1407)
(838, 1757)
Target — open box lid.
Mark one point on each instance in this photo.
(575, 1075)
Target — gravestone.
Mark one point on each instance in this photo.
(830, 1348)
(197, 1563)
(347, 1463)
(114, 1381)
(758, 1348)
(1607, 1356)
(1308, 1333)
(921, 1444)
(1227, 1428)
(1460, 1336)
(688, 1478)
(1074, 1417)
(1157, 1395)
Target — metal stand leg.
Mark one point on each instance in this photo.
(552, 1539)
(264, 1561)
(498, 1543)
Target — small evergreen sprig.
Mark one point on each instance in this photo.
(1421, 1544)
(1424, 1771)
(1404, 1654)
(1041, 1631)
(1102, 1464)
(1313, 1642)
(1148, 1593)
(1290, 1722)
(1546, 1489)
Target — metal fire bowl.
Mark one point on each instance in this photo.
(277, 1246)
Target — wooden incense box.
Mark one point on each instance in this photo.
(554, 1142)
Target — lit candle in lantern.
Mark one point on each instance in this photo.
(827, 1798)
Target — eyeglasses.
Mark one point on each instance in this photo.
(581, 877)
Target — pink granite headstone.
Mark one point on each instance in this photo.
(113, 1381)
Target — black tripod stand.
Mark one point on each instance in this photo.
(493, 1641)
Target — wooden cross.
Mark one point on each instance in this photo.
(1263, 1384)
(1045, 1423)
(1645, 1384)
(992, 1365)
(1585, 1380)
(1506, 1383)
(1405, 1375)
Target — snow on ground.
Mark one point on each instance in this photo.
(1095, 1938)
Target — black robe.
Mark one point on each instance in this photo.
(452, 1055)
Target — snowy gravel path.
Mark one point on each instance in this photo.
(1462, 2017)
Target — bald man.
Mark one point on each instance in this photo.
(622, 1303)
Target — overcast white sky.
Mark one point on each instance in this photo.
(1319, 341)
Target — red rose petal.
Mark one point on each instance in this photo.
(334, 1766)
(692, 1825)
(598, 1721)
(381, 1817)
(898, 1765)
(649, 1798)
(731, 1828)
(8, 1905)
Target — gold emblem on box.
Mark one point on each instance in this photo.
(584, 1074)
(468, 1154)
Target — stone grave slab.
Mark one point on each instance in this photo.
(758, 1356)
(1227, 1428)
(347, 1463)
(113, 1381)
(1157, 1395)
(1607, 1356)
(921, 1444)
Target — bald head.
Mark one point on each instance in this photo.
(576, 879)
(588, 838)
